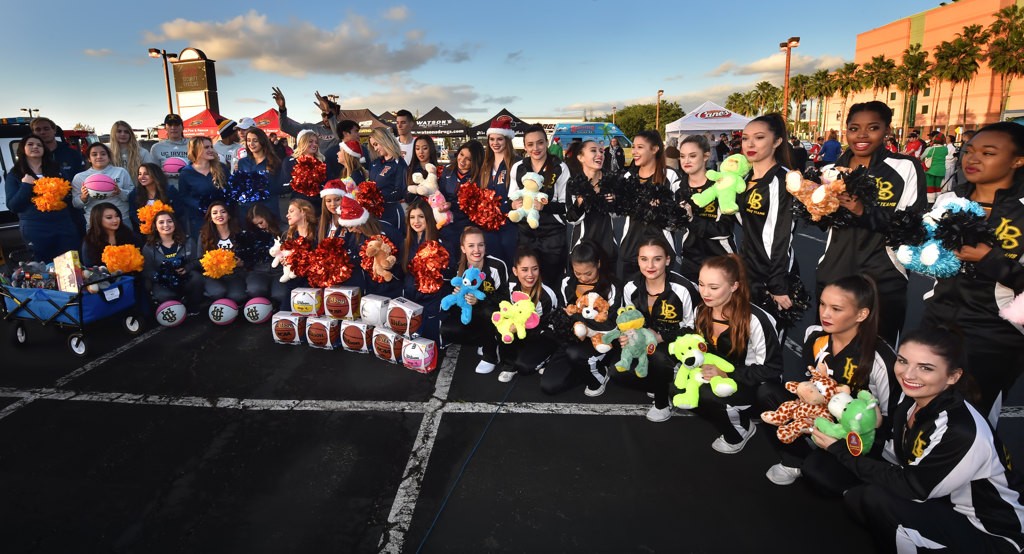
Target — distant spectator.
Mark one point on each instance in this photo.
(914, 146)
(891, 144)
(800, 155)
(672, 153)
(556, 148)
(404, 122)
(934, 160)
(614, 157)
(815, 153)
(832, 149)
(722, 148)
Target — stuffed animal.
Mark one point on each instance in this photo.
(589, 307)
(425, 186)
(796, 417)
(858, 419)
(383, 258)
(513, 318)
(467, 283)
(819, 199)
(692, 351)
(532, 197)
(1014, 312)
(729, 182)
(281, 258)
(440, 206)
(640, 342)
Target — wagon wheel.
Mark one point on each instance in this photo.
(76, 342)
(132, 324)
(19, 335)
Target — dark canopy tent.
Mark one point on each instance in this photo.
(480, 131)
(388, 117)
(365, 118)
(439, 123)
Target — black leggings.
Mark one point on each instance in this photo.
(526, 355)
(229, 286)
(769, 397)
(574, 364)
(994, 373)
(659, 375)
(480, 332)
(191, 290)
(729, 415)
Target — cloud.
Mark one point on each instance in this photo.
(458, 54)
(397, 13)
(687, 100)
(296, 47)
(252, 101)
(776, 65)
(676, 77)
(514, 57)
(398, 92)
(97, 52)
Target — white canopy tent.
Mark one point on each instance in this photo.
(706, 117)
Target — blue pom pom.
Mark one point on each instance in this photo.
(245, 187)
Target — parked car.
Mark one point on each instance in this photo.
(602, 133)
(12, 130)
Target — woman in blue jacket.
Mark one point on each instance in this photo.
(261, 158)
(388, 170)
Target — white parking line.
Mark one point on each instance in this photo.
(106, 357)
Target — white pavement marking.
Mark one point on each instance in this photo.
(106, 357)
(26, 400)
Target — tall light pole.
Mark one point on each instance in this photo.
(613, 115)
(30, 110)
(787, 47)
(657, 112)
(159, 53)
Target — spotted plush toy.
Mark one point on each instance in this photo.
(819, 199)
(796, 417)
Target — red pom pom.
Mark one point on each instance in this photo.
(329, 264)
(370, 198)
(427, 265)
(308, 175)
(300, 257)
(482, 206)
(366, 262)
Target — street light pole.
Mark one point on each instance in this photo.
(657, 113)
(30, 110)
(159, 53)
(613, 115)
(787, 47)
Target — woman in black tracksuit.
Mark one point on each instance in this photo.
(590, 199)
(860, 247)
(994, 166)
(744, 335)
(548, 240)
(530, 354)
(848, 346)
(578, 362)
(710, 232)
(946, 482)
(666, 300)
(480, 331)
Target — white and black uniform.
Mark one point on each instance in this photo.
(548, 239)
(948, 484)
(529, 354)
(634, 230)
(592, 220)
(766, 216)
(480, 331)
(575, 362)
(708, 235)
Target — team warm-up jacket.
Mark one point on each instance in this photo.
(495, 274)
(390, 178)
(861, 248)
(590, 224)
(761, 361)
(195, 192)
(881, 381)
(555, 174)
(545, 307)
(709, 233)
(973, 301)
(633, 231)
(949, 455)
(766, 215)
(672, 314)
(153, 255)
(572, 289)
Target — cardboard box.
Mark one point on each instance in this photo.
(404, 316)
(342, 302)
(374, 308)
(356, 335)
(387, 345)
(323, 332)
(68, 269)
(420, 354)
(308, 301)
(288, 328)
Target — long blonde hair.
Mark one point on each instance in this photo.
(387, 141)
(195, 149)
(131, 158)
(303, 143)
(350, 165)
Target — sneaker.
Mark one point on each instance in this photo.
(657, 415)
(504, 376)
(725, 447)
(540, 370)
(593, 390)
(782, 475)
(479, 350)
(484, 367)
(650, 395)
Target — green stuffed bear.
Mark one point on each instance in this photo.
(729, 182)
(857, 421)
(641, 342)
(692, 351)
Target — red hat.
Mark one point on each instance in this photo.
(502, 125)
(334, 187)
(351, 213)
(354, 149)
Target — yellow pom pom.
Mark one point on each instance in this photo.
(125, 258)
(218, 263)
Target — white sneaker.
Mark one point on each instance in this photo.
(505, 376)
(484, 367)
(592, 392)
(650, 395)
(657, 415)
(479, 350)
(783, 475)
(540, 370)
(725, 447)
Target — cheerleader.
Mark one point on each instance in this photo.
(860, 246)
(946, 482)
(649, 171)
(994, 167)
(351, 160)
(548, 239)
(499, 156)
(420, 227)
(178, 279)
(531, 353)
(106, 228)
(359, 226)
(577, 361)
(745, 336)
(200, 182)
(99, 162)
(666, 300)
(152, 186)
(307, 143)
(424, 151)
(710, 233)
(465, 169)
(330, 202)
(260, 157)
(847, 347)
(479, 332)
(387, 169)
(590, 201)
(220, 230)
(259, 217)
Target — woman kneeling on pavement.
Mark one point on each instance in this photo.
(531, 353)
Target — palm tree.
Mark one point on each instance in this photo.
(822, 88)
(750, 100)
(943, 55)
(1004, 52)
(734, 102)
(798, 85)
(913, 75)
(879, 73)
(848, 81)
(763, 93)
(971, 41)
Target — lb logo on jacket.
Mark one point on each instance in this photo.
(1008, 235)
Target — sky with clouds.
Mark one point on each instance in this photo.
(535, 58)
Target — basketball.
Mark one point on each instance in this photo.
(174, 165)
(317, 334)
(337, 305)
(382, 347)
(223, 311)
(258, 310)
(100, 185)
(353, 338)
(398, 320)
(284, 330)
(170, 313)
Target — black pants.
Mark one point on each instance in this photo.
(191, 290)
(480, 332)
(574, 364)
(528, 354)
(994, 373)
(659, 375)
(769, 397)
(729, 415)
(229, 286)
(266, 283)
(897, 524)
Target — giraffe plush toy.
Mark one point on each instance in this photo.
(796, 417)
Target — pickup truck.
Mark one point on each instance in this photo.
(12, 130)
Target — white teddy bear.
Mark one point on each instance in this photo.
(425, 186)
(281, 258)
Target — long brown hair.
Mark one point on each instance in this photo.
(310, 215)
(488, 165)
(96, 237)
(865, 296)
(160, 182)
(415, 166)
(430, 233)
(154, 235)
(653, 138)
(195, 148)
(526, 252)
(737, 308)
(476, 160)
(469, 230)
(273, 162)
(208, 235)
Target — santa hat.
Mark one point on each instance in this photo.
(333, 188)
(353, 148)
(351, 213)
(502, 125)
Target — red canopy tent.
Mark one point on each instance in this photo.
(270, 122)
(203, 124)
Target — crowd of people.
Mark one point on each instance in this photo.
(612, 235)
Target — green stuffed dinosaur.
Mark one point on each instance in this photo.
(857, 419)
(641, 342)
(729, 182)
(692, 351)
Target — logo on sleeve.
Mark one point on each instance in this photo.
(919, 445)
(848, 370)
(1008, 234)
(668, 311)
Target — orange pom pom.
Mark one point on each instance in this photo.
(147, 214)
(218, 263)
(50, 193)
(125, 258)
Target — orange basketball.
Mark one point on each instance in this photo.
(382, 347)
(398, 320)
(337, 305)
(415, 323)
(284, 330)
(353, 338)
(317, 334)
